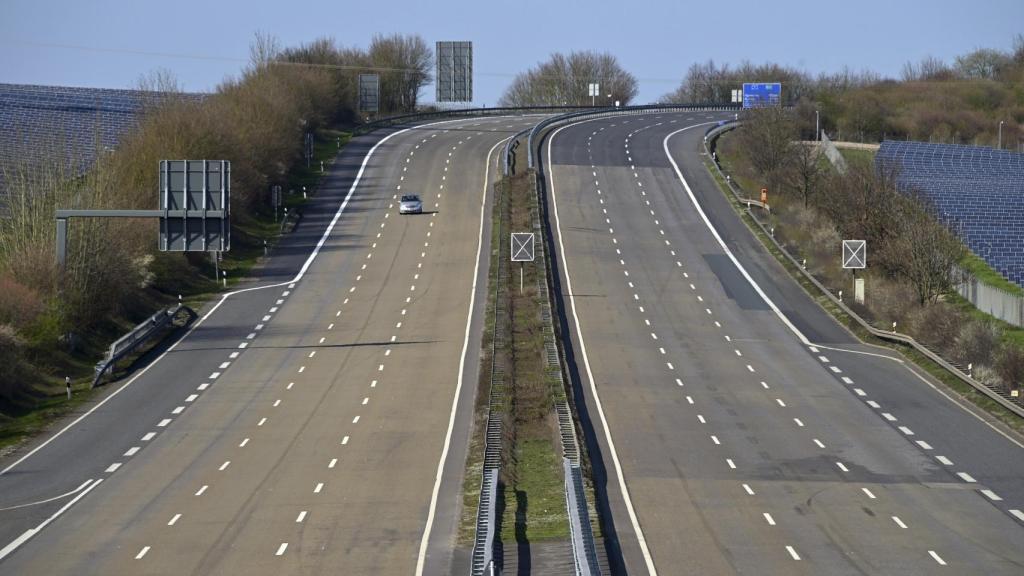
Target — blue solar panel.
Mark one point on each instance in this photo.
(977, 192)
(46, 124)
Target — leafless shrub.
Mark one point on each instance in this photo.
(1010, 366)
(563, 80)
(976, 343)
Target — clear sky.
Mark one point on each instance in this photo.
(111, 43)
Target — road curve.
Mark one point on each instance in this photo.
(301, 426)
(742, 430)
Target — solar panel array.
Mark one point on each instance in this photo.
(41, 124)
(977, 192)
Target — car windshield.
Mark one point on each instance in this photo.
(410, 198)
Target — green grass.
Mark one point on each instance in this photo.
(986, 274)
(535, 508)
(857, 156)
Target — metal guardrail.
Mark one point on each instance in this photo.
(883, 334)
(136, 337)
(620, 111)
(499, 111)
(584, 547)
(482, 559)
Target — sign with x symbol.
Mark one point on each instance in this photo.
(522, 246)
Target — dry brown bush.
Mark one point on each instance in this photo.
(1010, 366)
(976, 343)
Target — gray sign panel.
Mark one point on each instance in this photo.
(369, 93)
(522, 246)
(454, 79)
(855, 254)
(195, 201)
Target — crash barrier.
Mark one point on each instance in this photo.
(140, 334)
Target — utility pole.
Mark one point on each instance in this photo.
(1001, 122)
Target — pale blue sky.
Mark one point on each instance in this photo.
(656, 40)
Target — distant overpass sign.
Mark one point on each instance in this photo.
(761, 94)
(369, 93)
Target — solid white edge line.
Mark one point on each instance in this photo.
(301, 273)
(714, 232)
(48, 500)
(425, 539)
(648, 560)
(6, 551)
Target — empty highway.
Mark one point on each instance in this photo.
(314, 421)
(742, 430)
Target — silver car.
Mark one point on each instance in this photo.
(410, 204)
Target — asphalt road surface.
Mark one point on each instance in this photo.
(741, 430)
(309, 425)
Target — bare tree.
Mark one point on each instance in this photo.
(804, 172)
(766, 138)
(922, 250)
(264, 49)
(404, 64)
(563, 80)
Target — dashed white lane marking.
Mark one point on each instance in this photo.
(313, 353)
(243, 443)
(966, 477)
(749, 367)
(798, 422)
(281, 549)
(174, 520)
(873, 404)
(319, 487)
(113, 467)
(225, 465)
(847, 380)
(178, 410)
(679, 382)
(715, 440)
(131, 451)
(730, 463)
(289, 386)
(818, 443)
(332, 463)
(899, 522)
(768, 518)
(924, 445)
(991, 495)
(906, 430)
(149, 436)
(1018, 515)
(842, 467)
(202, 490)
(243, 345)
(835, 369)
(748, 489)
(889, 417)
(163, 423)
(781, 403)
(262, 421)
(937, 558)
(859, 392)
(945, 461)
(215, 375)
(792, 553)
(689, 399)
(355, 420)
(302, 369)
(701, 418)
(344, 440)
(301, 517)
(233, 355)
(142, 553)
(869, 493)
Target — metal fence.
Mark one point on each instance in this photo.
(1003, 305)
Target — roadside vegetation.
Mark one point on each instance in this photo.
(533, 487)
(959, 102)
(55, 323)
(563, 80)
(910, 254)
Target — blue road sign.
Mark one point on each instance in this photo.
(761, 94)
